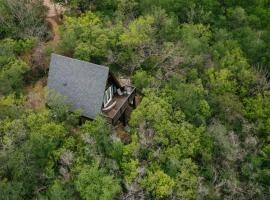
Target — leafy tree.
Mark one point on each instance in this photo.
(187, 180)
(166, 26)
(195, 38)
(159, 184)
(139, 33)
(11, 107)
(168, 139)
(11, 190)
(11, 48)
(229, 109)
(93, 183)
(237, 17)
(12, 68)
(98, 131)
(130, 170)
(35, 139)
(221, 81)
(186, 11)
(126, 9)
(142, 80)
(59, 191)
(190, 98)
(257, 107)
(85, 37)
(137, 40)
(11, 76)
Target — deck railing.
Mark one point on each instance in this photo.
(121, 108)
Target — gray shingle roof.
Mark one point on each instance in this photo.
(83, 83)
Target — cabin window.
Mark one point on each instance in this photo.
(108, 96)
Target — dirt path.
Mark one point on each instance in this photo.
(36, 92)
(54, 9)
(55, 30)
(53, 21)
(52, 12)
(53, 18)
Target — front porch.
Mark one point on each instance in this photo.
(121, 104)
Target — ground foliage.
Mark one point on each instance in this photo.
(202, 129)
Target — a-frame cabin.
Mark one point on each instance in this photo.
(91, 88)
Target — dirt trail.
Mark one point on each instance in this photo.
(55, 29)
(53, 18)
(36, 92)
(52, 12)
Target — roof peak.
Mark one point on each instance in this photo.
(75, 59)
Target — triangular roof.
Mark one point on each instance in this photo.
(83, 83)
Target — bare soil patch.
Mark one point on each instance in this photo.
(36, 95)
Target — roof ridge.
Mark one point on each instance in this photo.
(75, 59)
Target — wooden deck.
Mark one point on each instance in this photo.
(122, 103)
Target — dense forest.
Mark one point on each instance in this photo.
(201, 131)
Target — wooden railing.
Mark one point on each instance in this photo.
(122, 108)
